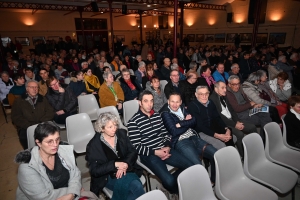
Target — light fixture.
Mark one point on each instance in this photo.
(101, 12)
(145, 26)
(154, 25)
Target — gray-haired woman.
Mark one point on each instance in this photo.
(112, 159)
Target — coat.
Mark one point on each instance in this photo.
(4, 90)
(159, 99)
(33, 179)
(100, 167)
(252, 91)
(129, 95)
(107, 98)
(218, 77)
(188, 91)
(77, 87)
(292, 128)
(23, 114)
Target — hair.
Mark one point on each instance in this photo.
(193, 65)
(30, 81)
(154, 77)
(105, 74)
(50, 79)
(145, 92)
(174, 66)
(220, 64)
(76, 73)
(217, 84)
(28, 69)
(125, 70)
(103, 119)
(202, 87)
(234, 65)
(138, 56)
(293, 100)
(105, 67)
(253, 77)
(201, 60)
(280, 58)
(245, 53)
(174, 70)
(59, 64)
(261, 73)
(189, 74)
(283, 75)
(293, 55)
(73, 58)
(174, 94)
(233, 77)
(204, 68)
(142, 64)
(83, 63)
(17, 76)
(4, 72)
(272, 59)
(45, 129)
(149, 67)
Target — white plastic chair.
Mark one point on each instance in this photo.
(194, 184)
(30, 136)
(284, 135)
(231, 182)
(88, 104)
(80, 131)
(258, 168)
(113, 110)
(163, 84)
(61, 126)
(129, 109)
(153, 195)
(109, 193)
(277, 152)
(131, 72)
(67, 81)
(115, 73)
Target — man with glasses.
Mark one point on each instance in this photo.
(235, 70)
(165, 69)
(31, 108)
(174, 84)
(242, 105)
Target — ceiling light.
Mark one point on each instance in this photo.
(148, 6)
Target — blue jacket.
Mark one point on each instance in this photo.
(218, 77)
(77, 87)
(170, 120)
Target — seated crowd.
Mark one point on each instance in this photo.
(204, 106)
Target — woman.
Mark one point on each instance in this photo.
(111, 93)
(127, 62)
(292, 122)
(6, 84)
(48, 170)
(149, 74)
(189, 87)
(63, 101)
(77, 84)
(92, 83)
(111, 158)
(130, 85)
(273, 68)
(75, 64)
(158, 93)
(206, 78)
(281, 86)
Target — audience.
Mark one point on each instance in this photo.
(6, 83)
(148, 76)
(130, 85)
(157, 92)
(140, 72)
(173, 85)
(281, 86)
(273, 68)
(188, 87)
(115, 64)
(29, 75)
(43, 89)
(165, 69)
(77, 84)
(206, 79)
(19, 86)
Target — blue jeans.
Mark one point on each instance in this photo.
(192, 147)
(135, 189)
(159, 168)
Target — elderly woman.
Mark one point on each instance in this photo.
(48, 170)
(6, 84)
(149, 74)
(62, 100)
(206, 78)
(112, 160)
(158, 93)
(130, 85)
(281, 86)
(77, 84)
(111, 93)
(140, 72)
(292, 122)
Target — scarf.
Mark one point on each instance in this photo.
(93, 80)
(130, 84)
(209, 79)
(294, 112)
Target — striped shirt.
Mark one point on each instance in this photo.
(147, 133)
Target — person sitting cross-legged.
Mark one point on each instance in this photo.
(153, 143)
(180, 124)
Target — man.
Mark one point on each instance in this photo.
(91, 63)
(32, 108)
(173, 85)
(175, 66)
(152, 142)
(202, 63)
(284, 66)
(241, 104)
(245, 65)
(116, 63)
(43, 89)
(140, 72)
(175, 61)
(235, 70)
(165, 69)
(226, 112)
(209, 125)
(180, 124)
(220, 74)
(149, 59)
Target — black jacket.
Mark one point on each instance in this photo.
(292, 128)
(169, 88)
(188, 91)
(100, 167)
(128, 94)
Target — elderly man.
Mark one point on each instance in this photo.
(32, 108)
(175, 66)
(242, 105)
(220, 74)
(140, 72)
(235, 70)
(229, 116)
(165, 69)
(173, 85)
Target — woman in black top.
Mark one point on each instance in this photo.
(111, 158)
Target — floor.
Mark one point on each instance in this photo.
(10, 146)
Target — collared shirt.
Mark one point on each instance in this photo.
(114, 149)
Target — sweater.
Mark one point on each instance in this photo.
(17, 90)
(147, 134)
(218, 77)
(238, 100)
(159, 99)
(107, 98)
(4, 89)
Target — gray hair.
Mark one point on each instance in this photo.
(293, 55)
(105, 74)
(174, 66)
(83, 63)
(100, 62)
(142, 64)
(201, 87)
(30, 81)
(217, 84)
(103, 119)
(253, 77)
(193, 64)
(261, 73)
(233, 77)
(4, 72)
(234, 65)
(138, 56)
(280, 58)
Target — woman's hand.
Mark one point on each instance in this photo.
(121, 165)
(66, 197)
(120, 173)
(119, 106)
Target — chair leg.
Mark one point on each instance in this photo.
(293, 192)
(148, 179)
(5, 115)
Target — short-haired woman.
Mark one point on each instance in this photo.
(206, 78)
(130, 85)
(158, 93)
(112, 159)
(281, 86)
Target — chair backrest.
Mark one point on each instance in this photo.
(115, 73)
(194, 183)
(11, 98)
(67, 81)
(129, 109)
(88, 104)
(113, 110)
(131, 72)
(226, 174)
(274, 141)
(254, 153)
(80, 131)
(284, 130)
(163, 83)
(153, 195)
(30, 136)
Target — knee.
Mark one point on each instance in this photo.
(136, 185)
(169, 183)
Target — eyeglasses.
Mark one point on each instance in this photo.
(235, 84)
(51, 142)
(203, 94)
(53, 84)
(33, 87)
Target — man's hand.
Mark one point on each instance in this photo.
(223, 137)
(60, 112)
(188, 117)
(162, 154)
(258, 105)
(61, 90)
(177, 125)
(239, 125)
(120, 173)
(121, 165)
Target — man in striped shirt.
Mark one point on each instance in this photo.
(152, 142)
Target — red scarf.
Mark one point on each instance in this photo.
(210, 80)
(129, 83)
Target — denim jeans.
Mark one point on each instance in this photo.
(159, 168)
(192, 147)
(135, 189)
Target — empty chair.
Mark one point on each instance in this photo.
(30, 136)
(153, 195)
(129, 109)
(88, 104)
(163, 83)
(277, 152)
(115, 73)
(232, 183)
(284, 135)
(194, 184)
(113, 110)
(80, 131)
(258, 168)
